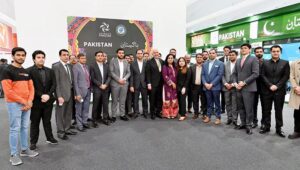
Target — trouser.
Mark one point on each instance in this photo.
(100, 101)
(82, 110)
(197, 90)
(190, 98)
(63, 116)
(213, 99)
(245, 101)
(129, 102)
(143, 92)
(118, 94)
(182, 103)
(297, 120)
(156, 100)
(257, 96)
(231, 105)
(222, 102)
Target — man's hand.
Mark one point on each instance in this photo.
(61, 101)
(183, 90)
(228, 86)
(241, 84)
(297, 90)
(27, 106)
(273, 88)
(132, 89)
(174, 86)
(103, 86)
(149, 87)
(122, 81)
(45, 98)
(78, 98)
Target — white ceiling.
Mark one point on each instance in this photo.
(203, 14)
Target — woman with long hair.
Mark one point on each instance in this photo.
(183, 78)
(170, 103)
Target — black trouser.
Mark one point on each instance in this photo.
(190, 98)
(100, 101)
(40, 111)
(297, 120)
(268, 99)
(182, 103)
(156, 100)
(197, 90)
(222, 102)
(129, 102)
(257, 96)
(143, 92)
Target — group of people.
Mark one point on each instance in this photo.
(174, 87)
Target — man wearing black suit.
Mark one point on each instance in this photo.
(44, 86)
(224, 59)
(138, 84)
(275, 74)
(100, 82)
(187, 58)
(155, 82)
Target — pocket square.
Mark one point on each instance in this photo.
(217, 66)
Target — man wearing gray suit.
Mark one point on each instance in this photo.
(246, 72)
(82, 86)
(120, 73)
(64, 94)
(229, 89)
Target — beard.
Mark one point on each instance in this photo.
(259, 56)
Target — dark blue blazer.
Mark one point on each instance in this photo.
(215, 75)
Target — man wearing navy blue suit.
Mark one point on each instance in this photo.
(212, 74)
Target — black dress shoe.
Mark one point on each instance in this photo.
(81, 129)
(62, 136)
(135, 115)
(52, 141)
(153, 117)
(249, 130)
(70, 132)
(144, 115)
(240, 127)
(280, 133)
(32, 147)
(265, 130)
(124, 118)
(235, 125)
(72, 127)
(95, 124)
(86, 126)
(229, 121)
(113, 119)
(159, 116)
(106, 122)
(295, 135)
(254, 125)
(262, 127)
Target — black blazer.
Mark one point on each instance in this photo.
(39, 89)
(183, 80)
(138, 77)
(97, 78)
(153, 76)
(277, 76)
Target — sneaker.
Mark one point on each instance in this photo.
(15, 160)
(29, 153)
(52, 141)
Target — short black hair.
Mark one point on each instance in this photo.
(228, 47)
(126, 55)
(276, 46)
(199, 54)
(234, 51)
(97, 52)
(246, 45)
(139, 50)
(80, 55)
(204, 52)
(119, 49)
(258, 48)
(36, 52)
(63, 50)
(3, 60)
(17, 49)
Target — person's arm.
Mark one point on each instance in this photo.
(223, 78)
(57, 79)
(127, 76)
(148, 72)
(112, 73)
(131, 77)
(188, 78)
(203, 75)
(93, 76)
(293, 75)
(76, 77)
(264, 77)
(285, 77)
(255, 72)
(53, 83)
(165, 76)
(31, 91)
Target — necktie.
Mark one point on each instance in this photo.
(242, 61)
(87, 76)
(68, 72)
(158, 64)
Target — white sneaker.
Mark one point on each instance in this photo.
(15, 160)
(29, 153)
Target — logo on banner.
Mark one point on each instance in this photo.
(128, 45)
(104, 27)
(121, 30)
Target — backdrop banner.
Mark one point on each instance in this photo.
(88, 35)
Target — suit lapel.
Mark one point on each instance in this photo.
(212, 67)
(246, 60)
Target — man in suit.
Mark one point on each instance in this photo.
(129, 98)
(197, 87)
(229, 89)
(82, 86)
(138, 84)
(155, 82)
(224, 59)
(275, 74)
(120, 74)
(246, 72)
(259, 52)
(44, 87)
(100, 79)
(212, 73)
(64, 94)
(187, 58)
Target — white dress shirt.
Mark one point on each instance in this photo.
(100, 65)
(121, 67)
(140, 64)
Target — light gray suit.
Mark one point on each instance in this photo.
(245, 97)
(118, 91)
(230, 95)
(82, 86)
(64, 84)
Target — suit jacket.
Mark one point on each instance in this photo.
(228, 77)
(193, 74)
(183, 80)
(248, 73)
(214, 76)
(64, 84)
(114, 69)
(294, 101)
(80, 84)
(223, 58)
(259, 81)
(138, 77)
(97, 78)
(39, 88)
(275, 76)
(153, 76)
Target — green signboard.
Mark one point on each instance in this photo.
(280, 25)
(200, 40)
(234, 34)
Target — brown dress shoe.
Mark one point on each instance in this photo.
(204, 117)
(206, 120)
(218, 121)
(195, 116)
